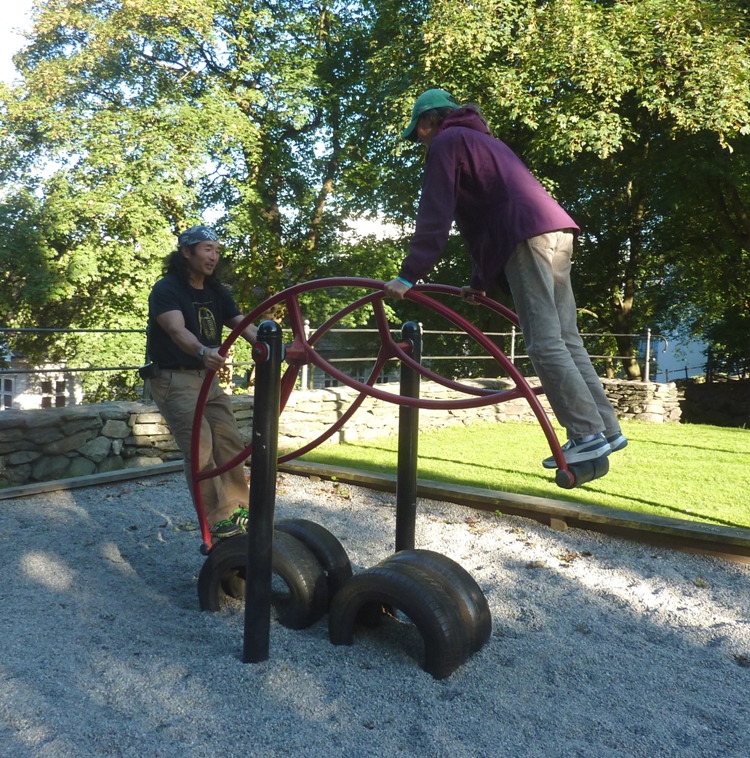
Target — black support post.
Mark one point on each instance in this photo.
(408, 440)
(267, 354)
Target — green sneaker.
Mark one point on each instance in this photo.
(226, 528)
(241, 517)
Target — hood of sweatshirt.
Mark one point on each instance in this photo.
(467, 117)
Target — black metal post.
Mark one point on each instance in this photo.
(267, 354)
(147, 397)
(408, 440)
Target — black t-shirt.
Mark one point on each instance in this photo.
(205, 312)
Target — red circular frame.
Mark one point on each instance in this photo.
(302, 352)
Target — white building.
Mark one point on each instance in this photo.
(26, 387)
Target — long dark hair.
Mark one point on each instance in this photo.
(176, 264)
(437, 115)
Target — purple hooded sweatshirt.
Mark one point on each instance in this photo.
(475, 179)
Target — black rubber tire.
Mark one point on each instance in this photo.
(292, 562)
(565, 479)
(305, 579)
(459, 584)
(416, 595)
(590, 470)
(221, 574)
(581, 473)
(324, 546)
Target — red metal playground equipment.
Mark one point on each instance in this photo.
(437, 594)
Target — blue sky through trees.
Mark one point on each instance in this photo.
(14, 15)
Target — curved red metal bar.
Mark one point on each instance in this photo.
(350, 411)
(302, 352)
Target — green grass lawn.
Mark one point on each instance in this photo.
(679, 470)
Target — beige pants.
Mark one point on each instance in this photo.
(175, 393)
(539, 276)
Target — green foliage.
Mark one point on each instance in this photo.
(730, 341)
(136, 119)
(605, 101)
(279, 122)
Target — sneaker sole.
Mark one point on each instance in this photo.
(226, 535)
(619, 445)
(582, 457)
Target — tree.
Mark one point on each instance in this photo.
(601, 99)
(279, 122)
(150, 115)
(705, 243)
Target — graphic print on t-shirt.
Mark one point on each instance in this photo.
(207, 325)
(205, 312)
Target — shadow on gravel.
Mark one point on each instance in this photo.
(600, 647)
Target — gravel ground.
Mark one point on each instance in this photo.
(600, 647)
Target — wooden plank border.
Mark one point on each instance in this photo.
(732, 543)
(92, 480)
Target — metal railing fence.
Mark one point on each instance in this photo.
(647, 338)
(336, 351)
(80, 369)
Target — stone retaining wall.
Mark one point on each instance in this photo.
(54, 443)
(644, 401)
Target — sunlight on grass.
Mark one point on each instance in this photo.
(700, 473)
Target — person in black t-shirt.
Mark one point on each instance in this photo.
(204, 312)
(188, 308)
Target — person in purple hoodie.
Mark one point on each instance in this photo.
(512, 227)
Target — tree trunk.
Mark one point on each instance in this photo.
(622, 302)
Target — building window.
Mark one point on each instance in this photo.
(6, 398)
(53, 394)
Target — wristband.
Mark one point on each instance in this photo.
(403, 281)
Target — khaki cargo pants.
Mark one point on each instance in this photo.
(175, 392)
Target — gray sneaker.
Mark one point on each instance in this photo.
(617, 441)
(576, 451)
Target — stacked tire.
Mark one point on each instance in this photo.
(438, 595)
(310, 561)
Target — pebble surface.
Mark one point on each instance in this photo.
(600, 647)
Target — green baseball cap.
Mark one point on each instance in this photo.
(427, 101)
